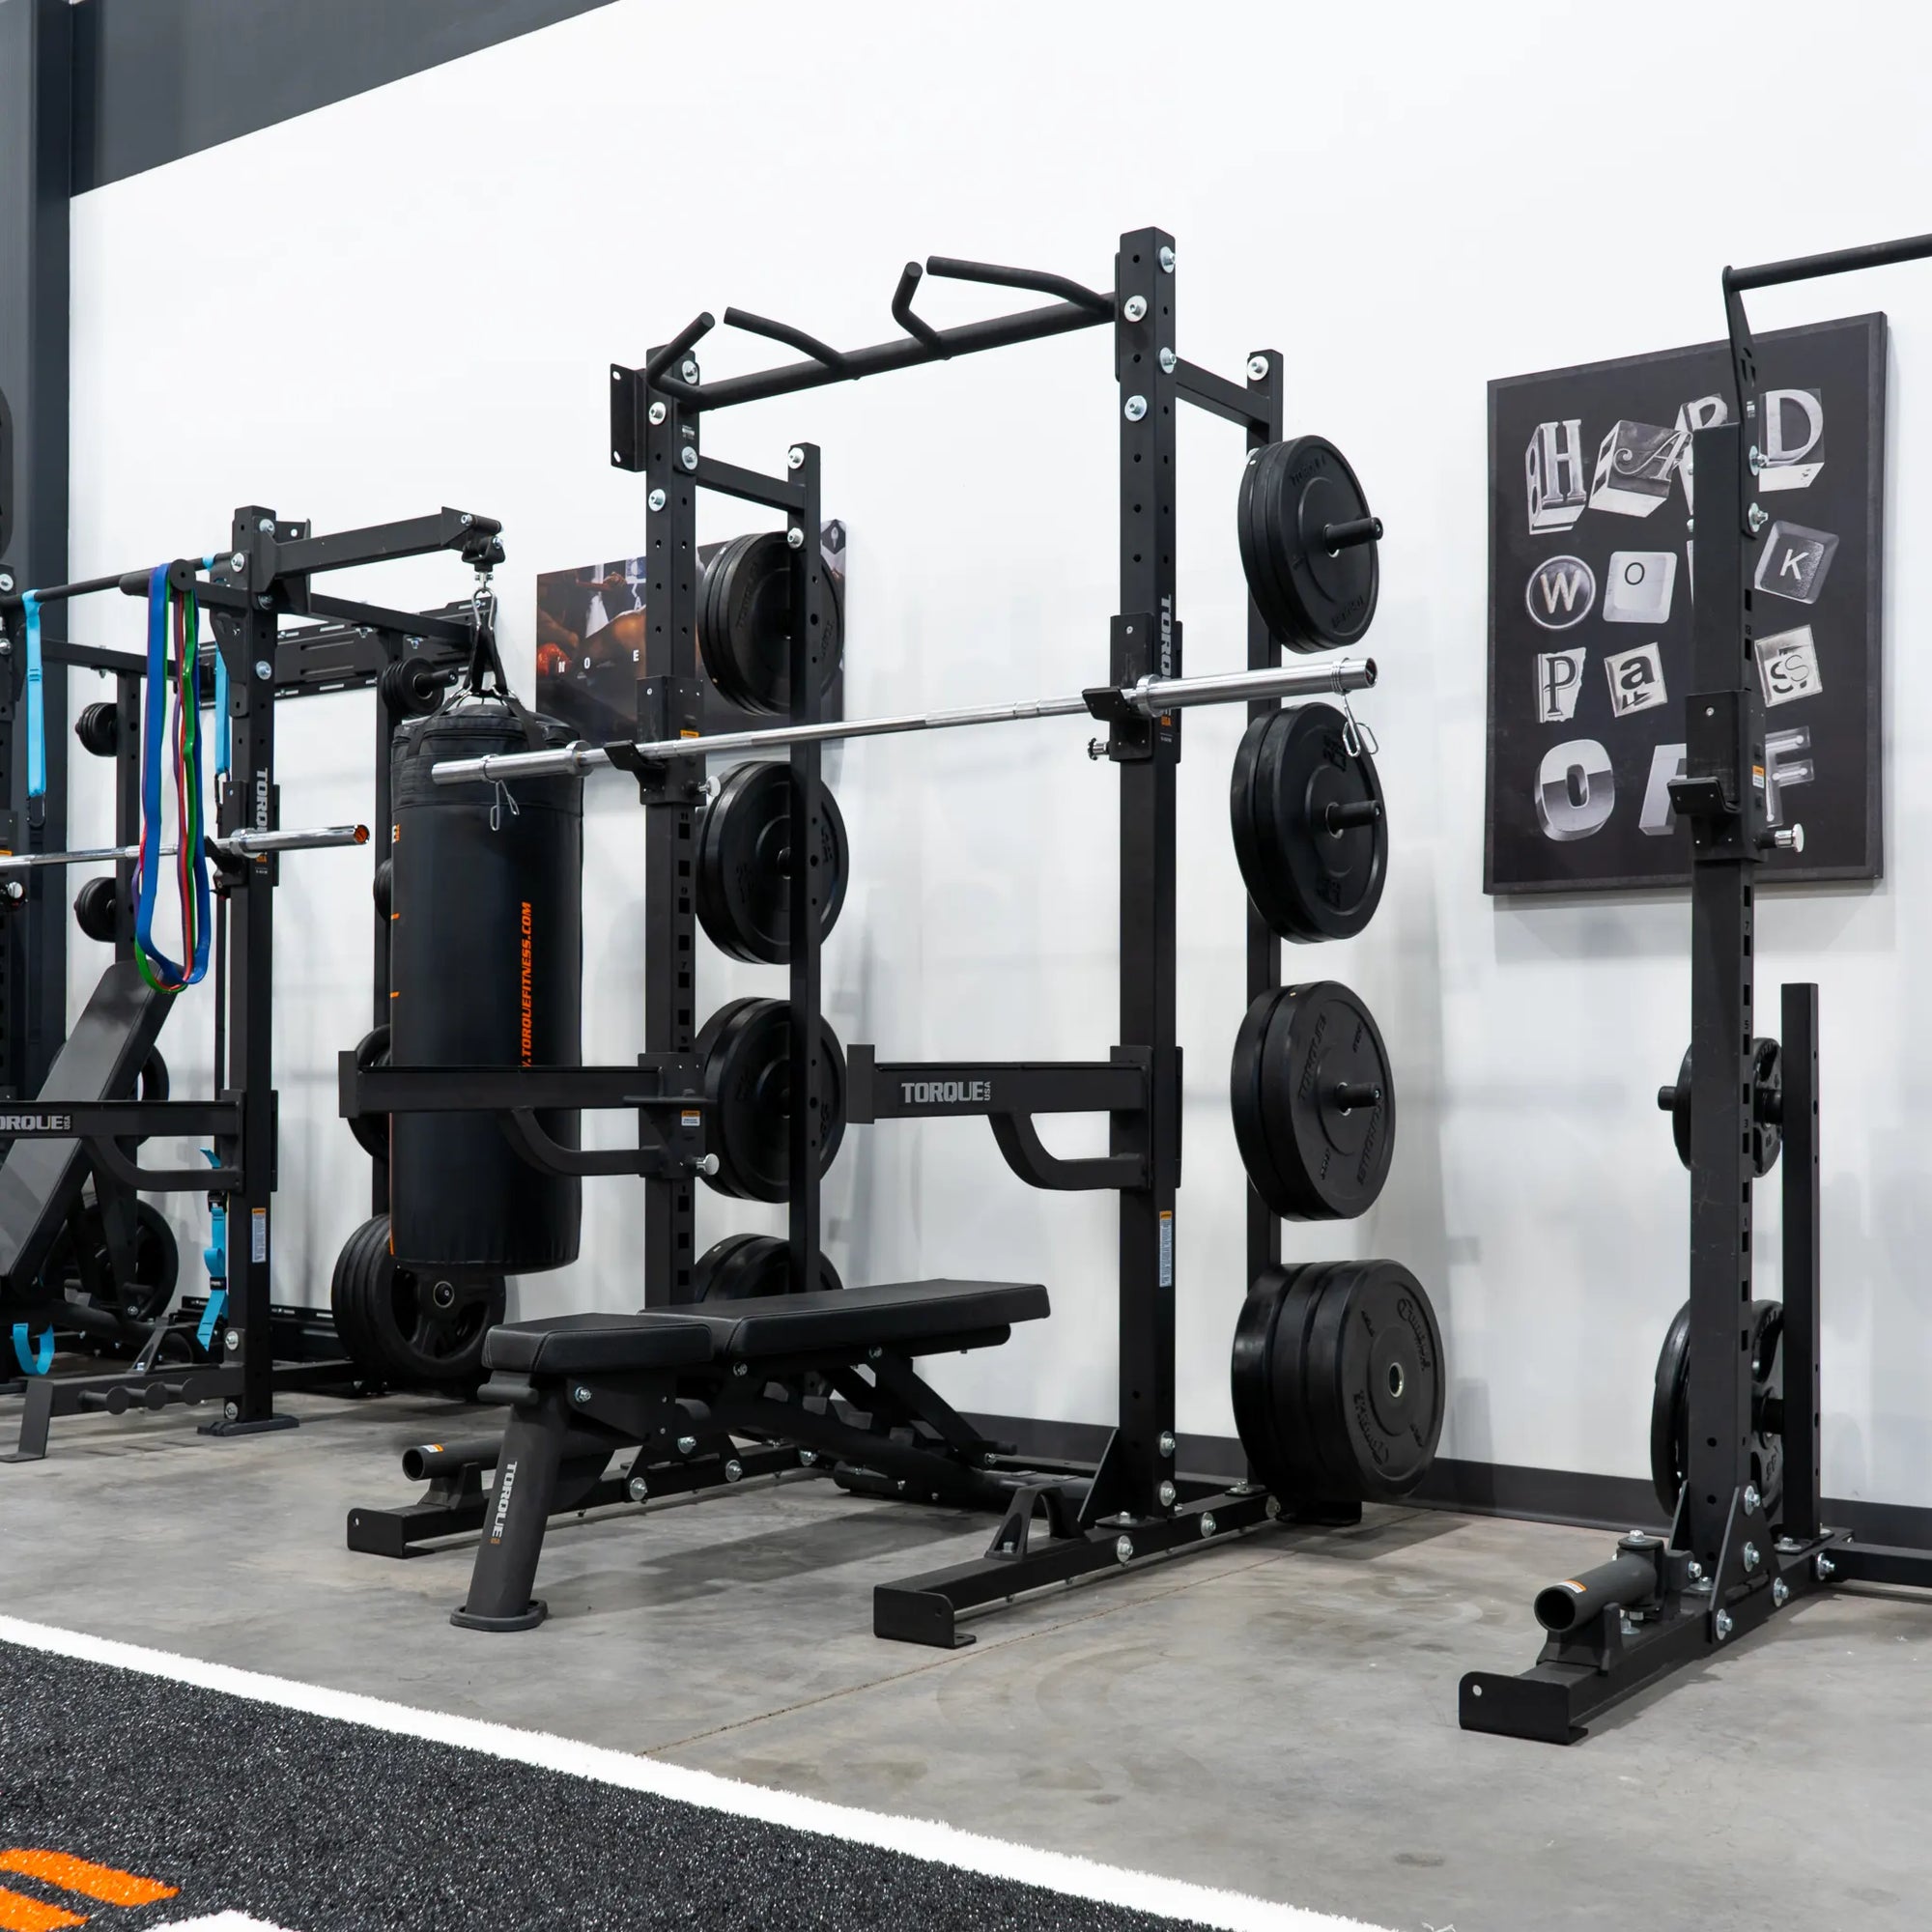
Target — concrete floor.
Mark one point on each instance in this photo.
(1275, 1716)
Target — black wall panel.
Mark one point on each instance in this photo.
(157, 79)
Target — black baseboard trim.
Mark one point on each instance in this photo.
(1573, 1497)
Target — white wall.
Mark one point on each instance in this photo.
(411, 299)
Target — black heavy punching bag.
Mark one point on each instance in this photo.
(486, 970)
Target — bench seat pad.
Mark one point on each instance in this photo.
(571, 1344)
(834, 1322)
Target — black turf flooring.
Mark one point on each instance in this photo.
(323, 1826)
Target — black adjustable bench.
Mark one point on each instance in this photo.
(830, 1371)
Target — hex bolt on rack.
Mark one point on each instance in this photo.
(1728, 1565)
(1133, 1502)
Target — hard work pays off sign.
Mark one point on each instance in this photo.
(1593, 574)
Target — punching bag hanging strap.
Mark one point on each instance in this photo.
(484, 656)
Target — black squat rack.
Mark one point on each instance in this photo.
(1133, 1502)
(262, 579)
(1748, 1541)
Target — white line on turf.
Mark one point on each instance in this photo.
(914, 1837)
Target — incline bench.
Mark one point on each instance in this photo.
(581, 1387)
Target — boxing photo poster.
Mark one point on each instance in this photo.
(1592, 576)
(592, 642)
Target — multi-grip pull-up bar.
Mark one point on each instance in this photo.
(1077, 308)
(1149, 697)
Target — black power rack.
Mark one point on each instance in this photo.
(262, 578)
(1101, 1515)
(1133, 1502)
(1730, 1564)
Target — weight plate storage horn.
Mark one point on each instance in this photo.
(751, 1265)
(1766, 1106)
(743, 623)
(415, 1326)
(1308, 544)
(1313, 1102)
(1670, 1407)
(1311, 830)
(745, 864)
(1338, 1381)
(745, 1048)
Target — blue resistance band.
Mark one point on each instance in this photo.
(33, 1362)
(215, 1255)
(37, 702)
(221, 731)
(154, 725)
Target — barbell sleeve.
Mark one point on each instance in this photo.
(1151, 696)
(238, 844)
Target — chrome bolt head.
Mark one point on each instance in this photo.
(689, 370)
(656, 500)
(1780, 1591)
(1168, 1493)
(688, 456)
(1722, 1624)
(1257, 368)
(1751, 1557)
(794, 458)
(232, 1410)
(1136, 407)
(1134, 308)
(1167, 1442)
(6, 583)
(794, 538)
(237, 563)
(637, 1489)
(580, 1394)
(1756, 461)
(1167, 261)
(741, 1369)
(1124, 1550)
(808, 1459)
(733, 1470)
(1207, 1523)
(1695, 1571)
(232, 1341)
(686, 1445)
(1756, 518)
(1823, 1568)
(657, 412)
(264, 669)
(1751, 1498)
(267, 525)
(1168, 361)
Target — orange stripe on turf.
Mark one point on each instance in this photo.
(90, 1881)
(20, 1914)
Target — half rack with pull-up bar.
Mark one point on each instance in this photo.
(582, 1388)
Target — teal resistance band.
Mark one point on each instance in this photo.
(32, 1361)
(215, 1255)
(37, 702)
